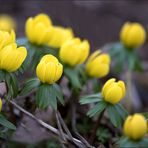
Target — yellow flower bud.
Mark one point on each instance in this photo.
(112, 91)
(49, 70)
(98, 64)
(59, 35)
(11, 57)
(38, 29)
(1, 104)
(132, 35)
(6, 38)
(7, 23)
(135, 127)
(74, 51)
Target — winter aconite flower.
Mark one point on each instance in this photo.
(7, 23)
(132, 35)
(38, 29)
(59, 35)
(49, 70)
(135, 127)
(6, 38)
(112, 91)
(98, 64)
(11, 57)
(74, 51)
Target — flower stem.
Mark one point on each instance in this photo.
(129, 90)
(93, 135)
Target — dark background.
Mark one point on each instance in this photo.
(99, 21)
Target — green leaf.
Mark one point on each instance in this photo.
(130, 59)
(91, 98)
(2, 75)
(126, 142)
(114, 116)
(120, 61)
(6, 123)
(122, 111)
(9, 86)
(45, 96)
(14, 84)
(114, 49)
(145, 114)
(52, 98)
(58, 93)
(73, 77)
(97, 109)
(80, 69)
(28, 60)
(49, 50)
(103, 134)
(29, 86)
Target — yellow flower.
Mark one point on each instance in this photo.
(49, 70)
(59, 35)
(113, 91)
(38, 29)
(6, 38)
(135, 127)
(11, 57)
(132, 35)
(7, 23)
(1, 103)
(98, 64)
(74, 51)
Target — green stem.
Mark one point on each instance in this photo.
(129, 90)
(93, 135)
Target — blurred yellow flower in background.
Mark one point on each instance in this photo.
(11, 57)
(74, 51)
(112, 91)
(135, 126)
(98, 64)
(59, 35)
(6, 38)
(38, 29)
(1, 104)
(49, 70)
(7, 23)
(132, 35)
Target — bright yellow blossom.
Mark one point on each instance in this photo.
(135, 126)
(6, 38)
(132, 35)
(11, 57)
(7, 23)
(112, 91)
(49, 70)
(74, 51)
(98, 64)
(38, 29)
(59, 35)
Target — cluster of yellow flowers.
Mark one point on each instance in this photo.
(135, 126)
(72, 50)
(39, 30)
